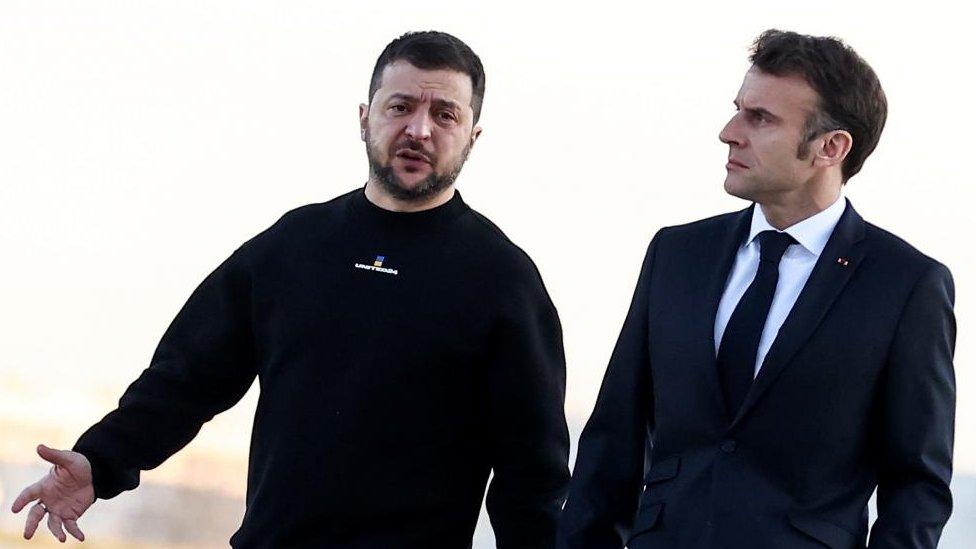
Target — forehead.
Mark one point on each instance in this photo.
(400, 77)
(786, 96)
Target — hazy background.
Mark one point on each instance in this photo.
(141, 142)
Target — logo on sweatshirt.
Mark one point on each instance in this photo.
(377, 266)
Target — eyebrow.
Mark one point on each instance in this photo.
(414, 99)
(756, 110)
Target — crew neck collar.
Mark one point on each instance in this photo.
(438, 214)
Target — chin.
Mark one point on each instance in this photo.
(411, 182)
(738, 188)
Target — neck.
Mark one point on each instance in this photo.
(382, 199)
(816, 195)
(786, 213)
(783, 216)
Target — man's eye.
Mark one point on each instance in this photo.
(398, 108)
(448, 116)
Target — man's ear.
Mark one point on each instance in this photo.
(363, 120)
(475, 134)
(832, 148)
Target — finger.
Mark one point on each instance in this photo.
(26, 496)
(54, 525)
(57, 457)
(72, 527)
(34, 517)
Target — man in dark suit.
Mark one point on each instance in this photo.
(779, 363)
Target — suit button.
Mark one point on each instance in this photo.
(728, 446)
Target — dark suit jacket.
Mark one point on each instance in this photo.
(857, 392)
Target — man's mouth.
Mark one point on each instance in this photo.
(410, 154)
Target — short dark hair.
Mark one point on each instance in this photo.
(850, 93)
(431, 50)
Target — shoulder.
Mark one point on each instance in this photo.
(300, 224)
(495, 245)
(695, 231)
(317, 214)
(889, 246)
(896, 256)
(696, 235)
(507, 267)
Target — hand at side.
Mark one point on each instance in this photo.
(64, 494)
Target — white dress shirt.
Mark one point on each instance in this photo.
(794, 269)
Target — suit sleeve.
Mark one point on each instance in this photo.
(529, 440)
(203, 365)
(917, 420)
(606, 482)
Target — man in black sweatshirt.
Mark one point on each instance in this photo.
(405, 349)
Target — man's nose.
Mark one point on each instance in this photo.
(419, 125)
(730, 134)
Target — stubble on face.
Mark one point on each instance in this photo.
(391, 183)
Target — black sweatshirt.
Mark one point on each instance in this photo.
(401, 357)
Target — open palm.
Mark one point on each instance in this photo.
(64, 494)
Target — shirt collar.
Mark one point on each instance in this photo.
(812, 233)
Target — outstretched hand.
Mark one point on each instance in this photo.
(64, 494)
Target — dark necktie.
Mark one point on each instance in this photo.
(740, 342)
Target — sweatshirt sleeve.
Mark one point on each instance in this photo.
(202, 366)
(529, 439)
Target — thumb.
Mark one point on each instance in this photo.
(57, 457)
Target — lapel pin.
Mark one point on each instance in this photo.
(842, 261)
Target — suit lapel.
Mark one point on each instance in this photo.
(727, 238)
(839, 260)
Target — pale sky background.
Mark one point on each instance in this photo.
(141, 142)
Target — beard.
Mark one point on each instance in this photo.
(431, 185)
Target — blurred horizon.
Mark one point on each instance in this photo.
(194, 503)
